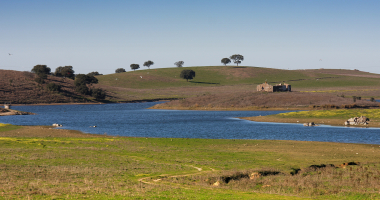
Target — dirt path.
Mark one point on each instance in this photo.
(156, 181)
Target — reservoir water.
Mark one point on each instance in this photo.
(133, 119)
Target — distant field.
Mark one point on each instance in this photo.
(230, 75)
(216, 80)
(43, 163)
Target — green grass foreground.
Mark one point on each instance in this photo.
(51, 166)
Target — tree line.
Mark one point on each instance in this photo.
(237, 58)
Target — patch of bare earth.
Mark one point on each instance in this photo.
(263, 100)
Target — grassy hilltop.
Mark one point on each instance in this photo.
(232, 75)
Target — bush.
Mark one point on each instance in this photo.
(83, 89)
(53, 87)
(81, 79)
(39, 80)
(98, 93)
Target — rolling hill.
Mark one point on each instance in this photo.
(219, 86)
(231, 80)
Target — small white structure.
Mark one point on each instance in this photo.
(57, 125)
(7, 106)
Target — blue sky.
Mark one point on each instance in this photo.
(105, 35)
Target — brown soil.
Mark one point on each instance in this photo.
(258, 100)
(20, 88)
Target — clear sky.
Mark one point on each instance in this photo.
(105, 35)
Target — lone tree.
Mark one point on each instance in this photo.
(179, 63)
(119, 70)
(148, 63)
(237, 58)
(135, 66)
(187, 74)
(42, 71)
(66, 71)
(225, 61)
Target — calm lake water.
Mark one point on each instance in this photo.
(133, 119)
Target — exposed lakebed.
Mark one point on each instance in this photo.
(133, 119)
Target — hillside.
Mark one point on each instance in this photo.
(20, 88)
(219, 86)
(229, 80)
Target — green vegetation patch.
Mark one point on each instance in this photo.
(8, 127)
(373, 114)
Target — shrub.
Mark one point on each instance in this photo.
(39, 80)
(83, 89)
(98, 93)
(53, 87)
(81, 79)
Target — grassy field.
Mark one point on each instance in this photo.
(232, 75)
(331, 117)
(44, 163)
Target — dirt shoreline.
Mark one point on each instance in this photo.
(228, 109)
(15, 112)
(331, 122)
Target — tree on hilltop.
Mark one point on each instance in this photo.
(225, 61)
(179, 63)
(42, 71)
(237, 58)
(134, 66)
(66, 71)
(94, 74)
(148, 63)
(119, 70)
(187, 74)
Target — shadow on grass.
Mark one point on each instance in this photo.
(204, 82)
